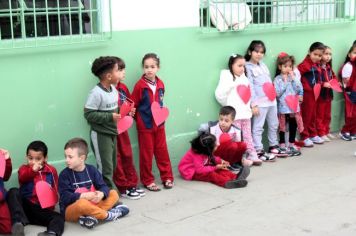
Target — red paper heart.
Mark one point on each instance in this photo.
(316, 89)
(2, 165)
(160, 114)
(125, 108)
(224, 138)
(124, 124)
(47, 196)
(85, 190)
(292, 102)
(244, 92)
(335, 85)
(269, 90)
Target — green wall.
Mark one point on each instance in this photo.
(43, 90)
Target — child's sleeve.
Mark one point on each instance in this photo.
(279, 86)
(99, 183)
(65, 189)
(200, 168)
(298, 87)
(252, 88)
(136, 95)
(8, 170)
(26, 174)
(91, 110)
(224, 87)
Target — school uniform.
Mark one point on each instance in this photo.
(323, 104)
(151, 138)
(125, 175)
(349, 71)
(310, 76)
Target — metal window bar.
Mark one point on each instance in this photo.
(225, 15)
(35, 23)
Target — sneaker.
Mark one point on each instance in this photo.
(47, 233)
(88, 222)
(308, 143)
(237, 183)
(121, 210)
(353, 136)
(266, 156)
(345, 136)
(278, 151)
(131, 193)
(140, 191)
(235, 167)
(18, 229)
(331, 136)
(293, 151)
(244, 173)
(246, 162)
(317, 140)
(325, 138)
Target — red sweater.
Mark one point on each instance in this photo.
(310, 73)
(8, 170)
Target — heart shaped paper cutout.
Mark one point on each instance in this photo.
(292, 102)
(316, 89)
(224, 138)
(125, 108)
(2, 165)
(85, 190)
(160, 114)
(335, 85)
(269, 90)
(47, 196)
(124, 124)
(244, 92)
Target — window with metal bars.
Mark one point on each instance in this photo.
(41, 20)
(234, 15)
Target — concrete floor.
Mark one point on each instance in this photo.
(314, 194)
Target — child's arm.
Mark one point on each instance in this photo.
(280, 85)
(8, 165)
(200, 168)
(66, 190)
(98, 182)
(224, 87)
(26, 174)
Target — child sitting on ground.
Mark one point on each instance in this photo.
(200, 164)
(228, 136)
(84, 196)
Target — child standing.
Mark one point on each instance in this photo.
(200, 164)
(84, 196)
(348, 73)
(151, 138)
(289, 92)
(227, 95)
(310, 72)
(323, 104)
(5, 218)
(125, 176)
(264, 106)
(37, 169)
(231, 149)
(100, 110)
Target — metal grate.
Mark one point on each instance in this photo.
(235, 15)
(36, 23)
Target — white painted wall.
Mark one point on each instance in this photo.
(151, 14)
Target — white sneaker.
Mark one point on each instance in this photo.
(325, 138)
(131, 194)
(331, 136)
(317, 140)
(308, 143)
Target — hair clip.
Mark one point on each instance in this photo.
(282, 54)
(234, 55)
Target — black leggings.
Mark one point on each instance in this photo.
(292, 129)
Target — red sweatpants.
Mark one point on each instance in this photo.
(323, 116)
(125, 175)
(231, 151)
(153, 142)
(350, 116)
(218, 177)
(5, 219)
(308, 109)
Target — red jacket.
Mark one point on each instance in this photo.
(8, 170)
(28, 179)
(143, 97)
(123, 93)
(310, 73)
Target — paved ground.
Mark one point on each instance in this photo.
(314, 194)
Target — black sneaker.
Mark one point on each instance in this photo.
(235, 167)
(353, 136)
(237, 183)
(345, 136)
(278, 151)
(47, 233)
(131, 193)
(88, 222)
(140, 191)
